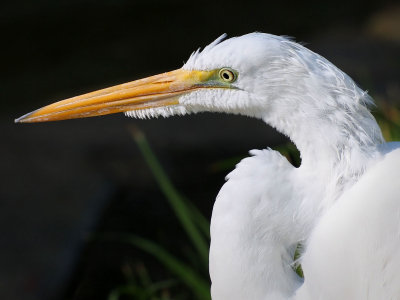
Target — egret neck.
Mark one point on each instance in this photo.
(337, 142)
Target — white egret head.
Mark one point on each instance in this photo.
(226, 76)
(258, 75)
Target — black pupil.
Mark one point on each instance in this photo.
(226, 75)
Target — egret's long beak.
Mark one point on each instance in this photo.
(154, 91)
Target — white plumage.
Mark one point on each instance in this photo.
(353, 251)
(342, 204)
(346, 217)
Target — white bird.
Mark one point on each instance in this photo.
(342, 204)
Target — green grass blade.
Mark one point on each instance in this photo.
(188, 276)
(175, 199)
(202, 222)
(157, 286)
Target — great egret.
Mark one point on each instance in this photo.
(342, 203)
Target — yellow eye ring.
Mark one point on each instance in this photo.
(227, 75)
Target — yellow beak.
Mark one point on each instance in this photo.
(154, 91)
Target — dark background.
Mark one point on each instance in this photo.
(60, 182)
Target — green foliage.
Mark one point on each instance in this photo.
(191, 220)
(388, 117)
(184, 272)
(194, 224)
(140, 286)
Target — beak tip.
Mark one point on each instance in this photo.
(19, 120)
(23, 119)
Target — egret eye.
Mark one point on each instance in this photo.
(227, 75)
